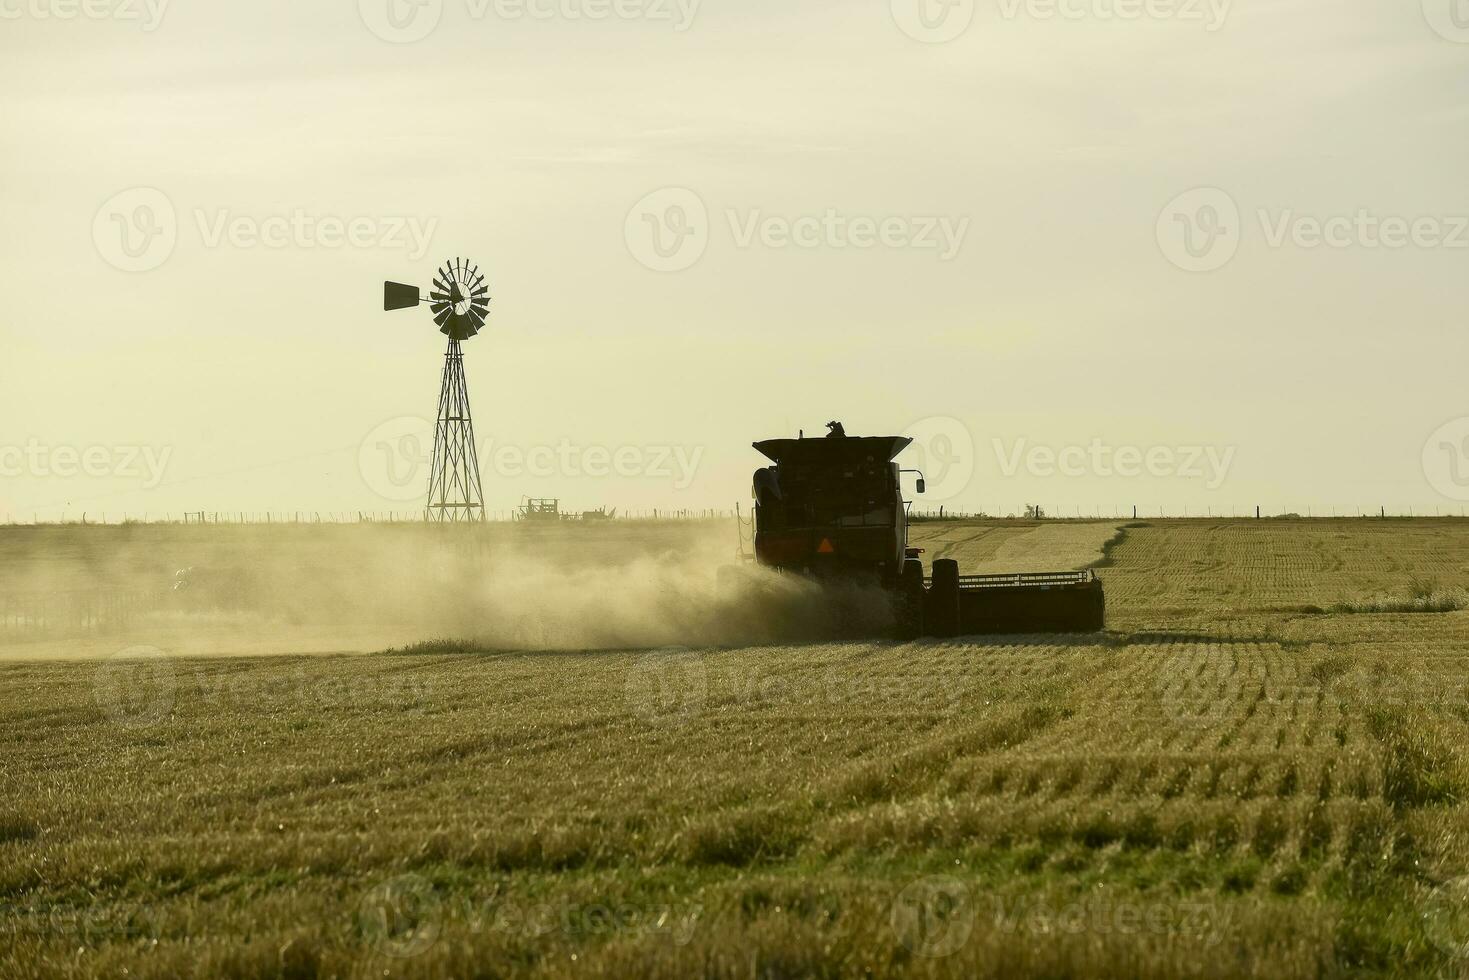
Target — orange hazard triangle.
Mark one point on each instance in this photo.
(825, 547)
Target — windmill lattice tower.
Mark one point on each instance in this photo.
(459, 302)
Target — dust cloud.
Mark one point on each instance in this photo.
(72, 590)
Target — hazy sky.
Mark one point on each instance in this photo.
(1087, 228)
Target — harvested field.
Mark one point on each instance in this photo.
(1232, 780)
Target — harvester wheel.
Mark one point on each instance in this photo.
(910, 600)
(942, 614)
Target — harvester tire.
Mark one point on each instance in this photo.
(910, 600)
(942, 614)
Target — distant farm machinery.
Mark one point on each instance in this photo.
(548, 510)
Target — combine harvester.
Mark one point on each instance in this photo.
(833, 508)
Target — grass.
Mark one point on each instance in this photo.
(442, 645)
(1421, 597)
(1226, 787)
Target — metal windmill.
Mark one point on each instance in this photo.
(459, 303)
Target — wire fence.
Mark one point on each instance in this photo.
(360, 517)
(74, 611)
(1155, 512)
(1015, 512)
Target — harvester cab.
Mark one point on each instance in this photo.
(834, 508)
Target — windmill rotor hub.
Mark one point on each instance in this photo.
(459, 298)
